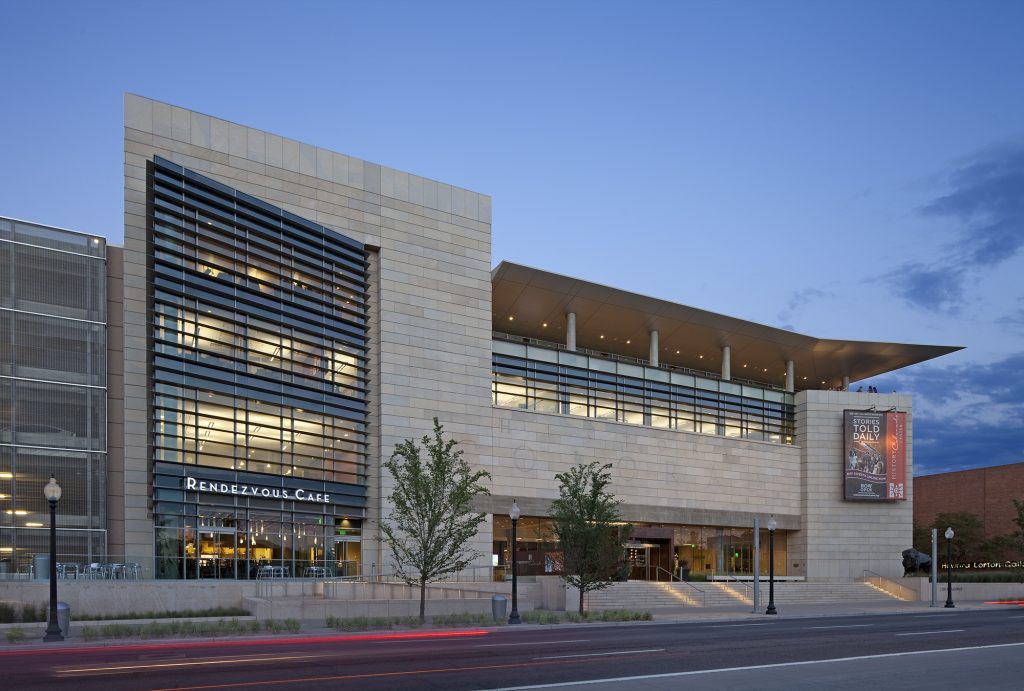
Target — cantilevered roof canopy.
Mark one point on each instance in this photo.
(531, 303)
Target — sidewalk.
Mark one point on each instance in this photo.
(806, 610)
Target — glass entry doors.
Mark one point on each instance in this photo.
(218, 552)
(347, 560)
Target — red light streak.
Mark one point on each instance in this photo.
(409, 635)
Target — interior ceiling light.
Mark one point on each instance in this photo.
(511, 318)
(677, 353)
(545, 325)
(699, 356)
(602, 336)
(628, 341)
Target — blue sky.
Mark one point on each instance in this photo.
(848, 170)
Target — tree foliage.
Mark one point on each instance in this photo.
(584, 520)
(432, 522)
(968, 535)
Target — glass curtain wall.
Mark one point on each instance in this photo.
(259, 357)
(52, 392)
(692, 552)
(568, 384)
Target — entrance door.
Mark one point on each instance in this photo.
(217, 553)
(347, 558)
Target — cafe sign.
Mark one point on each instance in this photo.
(193, 484)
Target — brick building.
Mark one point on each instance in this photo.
(986, 492)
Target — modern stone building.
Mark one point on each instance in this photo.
(290, 313)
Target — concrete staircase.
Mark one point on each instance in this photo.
(644, 595)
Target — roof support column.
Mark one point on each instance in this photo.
(654, 348)
(726, 363)
(846, 382)
(570, 332)
(789, 376)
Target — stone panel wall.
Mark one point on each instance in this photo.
(840, 539)
(660, 475)
(431, 333)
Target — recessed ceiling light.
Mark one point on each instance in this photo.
(628, 341)
(677, 352)
(602, 336)
(545, 324)
(511, 318)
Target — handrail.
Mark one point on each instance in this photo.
(732, 579)
(501, 336)
(671, 576)
(455, 577)
(675, 579)
(887, 585)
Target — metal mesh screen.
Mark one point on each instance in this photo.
(52, 391)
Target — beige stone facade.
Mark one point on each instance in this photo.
(430, 355)
(430, 244)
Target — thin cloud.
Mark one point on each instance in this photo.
(797, 301)
(986, 197)
(1015, 320)
(965, 416)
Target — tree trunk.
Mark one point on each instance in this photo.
(583, 594)
(423, 601)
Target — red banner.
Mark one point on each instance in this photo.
(896, 454)
(875, 458)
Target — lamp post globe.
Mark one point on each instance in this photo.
(949, 567)
(514, 615)
(771, 525)
(52, 492)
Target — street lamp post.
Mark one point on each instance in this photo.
(771, 525)
(949, 568)
(52, 493)
(514, 616)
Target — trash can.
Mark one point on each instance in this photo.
(64, 618)
(41, 566)
(499, 607)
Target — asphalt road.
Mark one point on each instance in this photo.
(937, 649)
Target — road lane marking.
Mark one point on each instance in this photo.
(734, 626)
(196, 663)
(843, 626)
(668, 675)
(501, 645)
(618, 652)
(929, 633)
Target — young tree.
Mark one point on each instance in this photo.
(432, 521)
(583, 520)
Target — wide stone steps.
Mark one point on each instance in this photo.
(650, 595)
